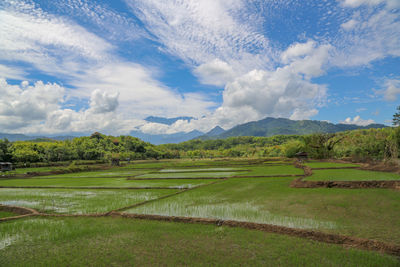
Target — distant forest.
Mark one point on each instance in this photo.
(358, 145)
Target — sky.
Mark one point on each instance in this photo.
(79, 66)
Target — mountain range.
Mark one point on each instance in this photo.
(265, 127)
(277, 126)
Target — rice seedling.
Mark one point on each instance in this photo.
(102, 182)
(351, 175)
(316, 164)
(118, 241)
(77, 201)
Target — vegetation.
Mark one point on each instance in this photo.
(358, 145)
(127, 242)
(396, 117)
(351, 175)
(364, 213)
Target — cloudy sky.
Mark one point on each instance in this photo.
(81, 66)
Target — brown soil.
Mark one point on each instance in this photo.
(299, 183)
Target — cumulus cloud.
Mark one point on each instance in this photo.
(102, 102)
(392, 89)
(24, 104)
(357, 120)
(216, 72)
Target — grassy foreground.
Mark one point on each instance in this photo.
(128, 242)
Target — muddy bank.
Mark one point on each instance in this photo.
(299, 183)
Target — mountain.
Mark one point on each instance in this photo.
(23, 137)
(168, 121)
(217, 130)
(278, 126)
(158, 139)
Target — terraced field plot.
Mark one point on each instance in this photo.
(122, 242)
(102, 182)
(74, 201)
(351, 175)
(261, 193)
(316, 164)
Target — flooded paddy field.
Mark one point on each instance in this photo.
(250, 192)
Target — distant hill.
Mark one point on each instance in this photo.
(278, 126)
(23, 137)
(158, 139)
(168, 121)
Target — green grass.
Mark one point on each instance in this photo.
(96, 174)
(4, 214)
(77, 201)
(372, 213)
(314, 164)
(186, 175)
(103, 182)
(270, 170)
(351, 175)
(128, 242)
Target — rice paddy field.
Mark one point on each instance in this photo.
(241, 190)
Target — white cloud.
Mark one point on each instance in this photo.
(139, 93)
(51, 44)
(349, 25)
(392, 89)
(102, 102)
(297, 50)
(371, 34)
(357, 3)
(11, 72)
(23, 105)
(216, 72)
(200, 31)
(357, 120)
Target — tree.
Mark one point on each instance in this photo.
(396, 117)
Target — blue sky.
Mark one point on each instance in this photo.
(81, 66)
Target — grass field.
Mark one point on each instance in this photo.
(316, 164)
(77, 201)
(351, 175)
(364, 213)
(101, 182)
(4, 214)
(127, 242)
(371, 213)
